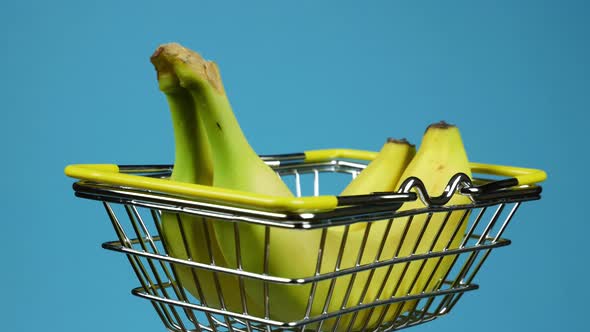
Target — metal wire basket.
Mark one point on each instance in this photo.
(192, 294)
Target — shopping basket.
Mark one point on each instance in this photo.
(135, 197)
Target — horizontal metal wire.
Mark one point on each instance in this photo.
(118, 247)
(141, 292)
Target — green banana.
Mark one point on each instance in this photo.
(193, 164)
(237, 166)
(440, 156)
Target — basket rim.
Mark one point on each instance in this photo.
(131, 176)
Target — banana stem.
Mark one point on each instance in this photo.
(192, 156)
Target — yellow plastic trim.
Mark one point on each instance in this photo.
(109, 174)
(524, 176)
(313, 156)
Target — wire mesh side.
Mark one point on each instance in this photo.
(139, 230)
(365, 276)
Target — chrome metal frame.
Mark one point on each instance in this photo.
(135, 217)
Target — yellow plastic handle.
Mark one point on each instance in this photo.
(331, 154)
(110, 174)
(524, 176)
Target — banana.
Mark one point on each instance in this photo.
(440, 156)
(193, 163)
(381, 175)
(293, 253)
(237, 166)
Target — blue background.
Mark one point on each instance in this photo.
(77, 86)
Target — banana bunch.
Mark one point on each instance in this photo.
(211, 149)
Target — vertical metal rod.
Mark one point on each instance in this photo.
(185, 243)
(439, 261)
(336, 268)
(177, 286)
(427, 306)
(491, 224)
(143, 246)
(219, 323)
(240, 279)
(441, 308)
(370, 279)
(487, 252)
(481, 239)
(447, 245)
(266, 269)
(404, 271)
(473, 227)
(470, 279)
(218, 289)
(372, 271)
(505, 224)
(139, 226)
(133, 261)
(392, 324)
(159, 284)
(401, 305)
(352, 280)
(297, 183)
(136, 217)
(450, 302)
(414, 249)
(457, 228)
(316, 182)
(123, 238)
(387, 274)
(383, 240)
(156, 218)
(318, 269)
(467, 264)
(430, 249)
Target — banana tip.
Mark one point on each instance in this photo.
(440, 125)
(399, 141)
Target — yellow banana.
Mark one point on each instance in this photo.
(292, 253)
(381, 174)
(193, 164)
(440, 156)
